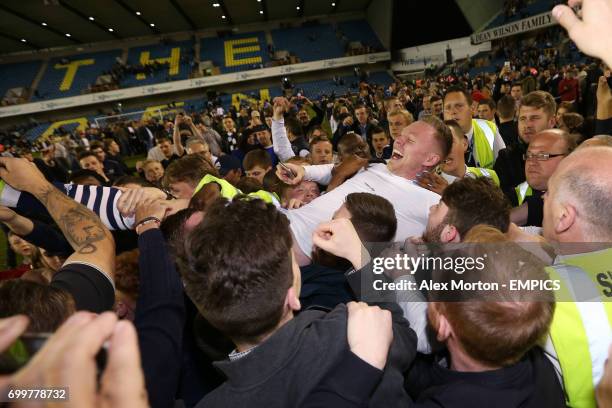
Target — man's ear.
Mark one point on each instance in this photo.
(450, 234)
(552, 121)
(438, 321)
(565, 219)
(293, 300)
(432, 160)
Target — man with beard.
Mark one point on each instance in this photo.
(449, 221)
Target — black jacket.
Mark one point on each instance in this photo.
(530, 383)
(282, 371)
(510, 166)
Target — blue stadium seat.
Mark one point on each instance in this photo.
(237, 52)
(17, 75)
(360, 30)
(179, 54)
(309, 43)
(61, 80)
(537, 7)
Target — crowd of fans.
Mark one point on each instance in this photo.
(233, 266)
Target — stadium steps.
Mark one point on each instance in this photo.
(309, 43)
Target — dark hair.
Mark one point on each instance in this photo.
(464, 196)
(249, 185)
(123, 180)
(460, 89)
(46, 306)
(318, 139)
(452, 124)
(240, 283)
(85, 154)
(377, 129)
(257, 157)
(190, 169)
(79, 176)
(173, 227)
(96, 144)
(127, 278)
(506, 107)
(489, 102)
(372, 216)
(435, 98)
(517, 83)
(352, 144)
(159, 138)
(374, 220)
(294, 126)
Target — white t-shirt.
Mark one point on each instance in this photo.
(410, 201)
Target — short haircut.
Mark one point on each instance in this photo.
(149, 161)
(87, 153)
(593, 196)
(517, 83)
(568, 106)
(249, 184)
(189, 169)
(294, 126)
(496, 328)
(195, 140)
(377, 129)
(460, 89)
(256, 158)
(443, 135)
(540, 100)
(453, 125)
(506, 107)
(96, 144)
(123, 180)
(46, 306)
(319, 139)
(81, 175)
(372, 216)
(573, 121)
(407, 115)
(127, 278)
(435, 98)
(467, 194)
(315, 128)
(160, 138)
(352, 144)
(107, 142)
(489, 102)
(239, 284)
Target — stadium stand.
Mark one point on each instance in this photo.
(159, 63)
(235, 53)
(309, 43)
(70, 76)
(17, 76)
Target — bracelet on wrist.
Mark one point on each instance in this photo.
(145, 221)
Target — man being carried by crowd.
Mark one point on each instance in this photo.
(421, 146)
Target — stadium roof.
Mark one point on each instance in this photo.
(27, 25)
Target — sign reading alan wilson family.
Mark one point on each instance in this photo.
(517, 27)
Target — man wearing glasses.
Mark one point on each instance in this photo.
(543, 155)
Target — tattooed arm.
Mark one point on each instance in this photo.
(90, 239)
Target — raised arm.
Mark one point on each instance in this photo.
(176, 136)
(280, 141)
(91, 240)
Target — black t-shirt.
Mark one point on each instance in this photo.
(91, 289)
